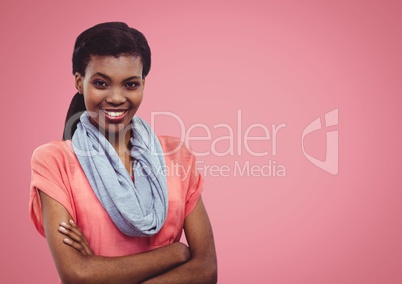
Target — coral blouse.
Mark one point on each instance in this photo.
(57, 172)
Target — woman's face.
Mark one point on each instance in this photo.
(113, 89)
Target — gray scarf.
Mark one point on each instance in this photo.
(139, 208)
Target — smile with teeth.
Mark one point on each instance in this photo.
(114, 113)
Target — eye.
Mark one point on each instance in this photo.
(132, 85)
(100, 84)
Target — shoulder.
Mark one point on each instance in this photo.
(54, 151)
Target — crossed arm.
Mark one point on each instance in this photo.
(174, 263)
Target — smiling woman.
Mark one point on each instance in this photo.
(108, 211)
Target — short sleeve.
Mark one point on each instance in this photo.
(49, 174)
(195, 187)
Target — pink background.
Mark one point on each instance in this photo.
(276, 61)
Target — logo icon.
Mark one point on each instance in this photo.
(330, 164)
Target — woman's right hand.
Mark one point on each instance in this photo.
(75, 238)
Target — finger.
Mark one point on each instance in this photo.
(77, 230)
(79, 245)
(72, 231)
(75, 245)
(72, 235)
(74, 228)
(65, 225)
(71, 226)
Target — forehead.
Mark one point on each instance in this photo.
(115, 66)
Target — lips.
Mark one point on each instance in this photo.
(115, 115)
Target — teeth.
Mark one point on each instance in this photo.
(113, 113)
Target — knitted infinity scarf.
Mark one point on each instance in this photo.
(139, 208)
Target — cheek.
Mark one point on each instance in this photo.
(136, 100)
(91, 106)
(139, 98)
(88, 103)
(91, 98)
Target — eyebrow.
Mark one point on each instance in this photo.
(108, 78)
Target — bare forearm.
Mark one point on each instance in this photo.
(202, 268)
(127, 269)
(195, 271)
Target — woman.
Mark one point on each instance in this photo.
(110, 203)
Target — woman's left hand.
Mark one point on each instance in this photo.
(75, 238)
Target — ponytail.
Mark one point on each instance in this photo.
(77, 107)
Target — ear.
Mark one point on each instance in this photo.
(79, 80)
(143, 83)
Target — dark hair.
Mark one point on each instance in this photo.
(105, 39)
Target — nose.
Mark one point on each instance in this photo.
(116, 97)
